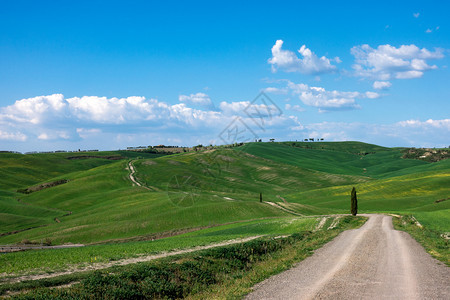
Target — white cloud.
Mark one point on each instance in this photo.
(288, 61)
(416, 15)
(246, 108)
(372, 95)
(381, 85)
(198, 99)
(102, 120)
(85, 123)
(233, 108)
(88, 130)
(413, 133)
(386, 62)
(408, 74)
(17, 136)
(296, 108)
(274, 90)
(34, 110)
(54, 117)
(328, 100)
(430, 123)
(114, 110)
(54, 135)
(43, 136)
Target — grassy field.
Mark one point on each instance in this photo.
(414, 193)
(394, 185)
(224, 186)
(52, 260)
(206, 188)
(352, 158)
(201, 197)
(227, 271)
(22, 171)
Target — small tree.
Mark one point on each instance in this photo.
(260, 197)
(354, 202)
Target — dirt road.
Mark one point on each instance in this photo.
(372, 262)
(132, 171)
(123, 262)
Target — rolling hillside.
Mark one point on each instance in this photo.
(187, 191)
(223, 186)
(23, 171)
(351, 158)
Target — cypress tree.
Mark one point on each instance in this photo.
(354, 202)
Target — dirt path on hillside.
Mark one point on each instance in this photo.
(282, 208)
(372, 262)
(132, 172)
(99, 266)
(15, 248)
(134, 180)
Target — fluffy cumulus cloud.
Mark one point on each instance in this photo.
(326, 100)
(102, 120)
(35, 110)
(96, 110)
(310, 63)
(387, 62)
(112, 110)
(112, 123)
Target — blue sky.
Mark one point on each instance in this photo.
(107, 75)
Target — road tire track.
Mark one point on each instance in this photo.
(372, 262)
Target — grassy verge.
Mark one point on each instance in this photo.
(432, 240)
(214, 273)
(55, 260)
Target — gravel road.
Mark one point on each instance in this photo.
(372, 262)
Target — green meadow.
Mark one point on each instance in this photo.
(63, 259)
(202, 197)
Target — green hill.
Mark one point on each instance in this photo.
(192, 190)
(350, 158)
(20, 171)
(223, 186)
(207, 196)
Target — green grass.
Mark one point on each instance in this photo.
(202, 274)
(224, 187)
(19, 170)
(62, 259)
(336, 158)
(348, 147)
(234, 172)
(22, 171)
(437, 220)
(427, 235)
(414, 192)
(200, 190)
